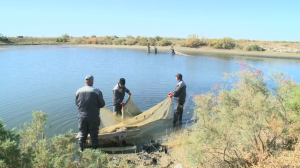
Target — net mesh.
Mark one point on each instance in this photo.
(134, 117)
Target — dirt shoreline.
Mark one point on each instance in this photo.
(206, 51)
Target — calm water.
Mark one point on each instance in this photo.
(45, 78)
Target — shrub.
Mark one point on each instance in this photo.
(29, 148)
(192, 41)
(130, 37)
(80, 41)
(253, 48)
(143, 41)
(58, 40)
(130, 41)
(157, 38)
(256, 48)
(3, 38)
(164, 42)
(239, 47)
(247, 124)
(224, 43)
(247, 48)
(120, 42)
(152, 41)
(91, 41)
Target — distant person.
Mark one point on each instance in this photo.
(118, 96)
(172, 50)
(148, 48)
(155, 50)
(89, 100)
(179, 95)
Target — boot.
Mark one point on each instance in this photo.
(82, 145)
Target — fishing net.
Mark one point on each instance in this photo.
(134, 117)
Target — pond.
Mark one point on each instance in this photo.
(45, 78)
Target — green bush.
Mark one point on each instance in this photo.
(246, 124)
(29, 148)
(143, 41)
(152, 41)
(253, 48)
(3, 38)
(293, 102)
(120, 42)
(256, 48)
(157, 38)
(247, 48)
(58, 40)
(224, 43)
(130, 37)
(164, 42)
(192, 41)
(130, 41)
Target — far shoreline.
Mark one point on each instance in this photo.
(204, 51)
(199, 51)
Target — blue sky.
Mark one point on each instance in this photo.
(255, 19)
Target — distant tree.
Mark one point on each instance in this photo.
(64, 37)
(157, 38)
(3, 38)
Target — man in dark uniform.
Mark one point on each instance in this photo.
(155, 50)
(179, 95)
(118, 96)
(172, 50)
(89, 100)
(148, 49)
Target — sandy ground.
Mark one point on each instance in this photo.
(205, 51)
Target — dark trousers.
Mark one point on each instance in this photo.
(88, 125)
(177, 118)
(118, 109)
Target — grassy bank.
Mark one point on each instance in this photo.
(191, 43)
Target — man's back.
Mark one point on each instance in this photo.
(180, 91)
(89, 100)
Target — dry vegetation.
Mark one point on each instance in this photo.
(192, 41)
(255, 122)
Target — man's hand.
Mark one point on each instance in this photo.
(123, 104)
(129, 94)
(170, 95)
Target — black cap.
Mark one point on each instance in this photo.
(122, 81)
(179, 76)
